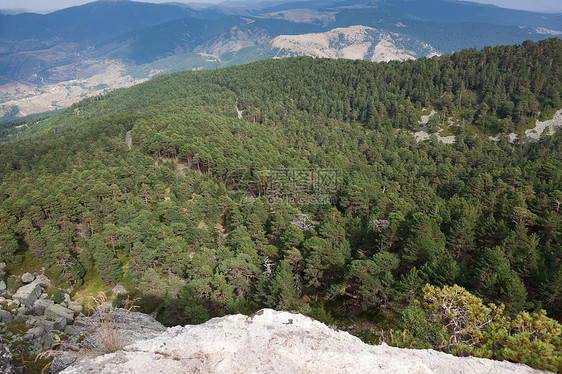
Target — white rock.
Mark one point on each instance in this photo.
(119, 290)
(28, 294)
(27, 278)
(43, 281)
(276, 342)
(2, 285)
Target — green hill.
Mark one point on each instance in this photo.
(318, 199)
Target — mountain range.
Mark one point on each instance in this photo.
(48, 61)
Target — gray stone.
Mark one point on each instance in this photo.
(52, 325)
(67, 298)
(46, 324)
(48, 340)
(81, 321)
(29, 293)
(119, 290)
(40, 306)
(37, 332)
(54, 311)
(43, 281)
(31, 321)
(71, 330)
(6, 316)
(77, 308)
(130, 327)
(27, 278)
(2, 265)
(60, 324)
(6, 366)
(2, 285)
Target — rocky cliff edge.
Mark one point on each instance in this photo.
(276, 342)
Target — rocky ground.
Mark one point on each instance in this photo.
(275, 342)
(33, 320)
(30, 316)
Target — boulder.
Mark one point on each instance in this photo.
(77, 308)
(55, 311)
(57, 324)
(28, 294)
(6, 316)
(6, 366)
(119, 290)
(71, 330)
(40, 305)
(31, 321)
(2, 285)
(43, 281)
(27, 278)
(36, 332)
(126, 328)
(277, 342)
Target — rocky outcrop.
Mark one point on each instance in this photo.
(105, 329)
(276, 342)
(354, 42)
(32, 317)
(6, 366)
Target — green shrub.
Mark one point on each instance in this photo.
(13, 283)
(453, 320)
(58, 296)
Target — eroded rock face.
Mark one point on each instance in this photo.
(276, 342)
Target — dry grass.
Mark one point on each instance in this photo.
(109, 331)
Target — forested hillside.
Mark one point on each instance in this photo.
(318, 199)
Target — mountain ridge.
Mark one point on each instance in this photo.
(41, 50)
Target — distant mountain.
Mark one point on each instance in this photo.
(151, 39)
(354, 42)
(89, 23)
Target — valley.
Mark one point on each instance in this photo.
(385, 169)
(46, 67)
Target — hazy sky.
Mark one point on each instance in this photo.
(537, 5)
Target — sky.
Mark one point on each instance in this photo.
(44, 5)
